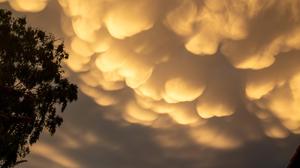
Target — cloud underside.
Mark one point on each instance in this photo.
(188, 60)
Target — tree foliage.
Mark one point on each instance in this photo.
(32, 86)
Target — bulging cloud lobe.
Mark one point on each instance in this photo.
(28, 6)
(189, 60)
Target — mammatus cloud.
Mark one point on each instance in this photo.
(28, 6)
(189, 60)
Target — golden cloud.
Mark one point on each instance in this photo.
(187, 59)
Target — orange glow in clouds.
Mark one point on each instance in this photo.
(189, 60)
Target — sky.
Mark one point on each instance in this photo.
(173, 83)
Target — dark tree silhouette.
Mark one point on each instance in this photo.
(32, 86)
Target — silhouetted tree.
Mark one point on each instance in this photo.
(32, 88)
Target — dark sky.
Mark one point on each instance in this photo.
(174, 83)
